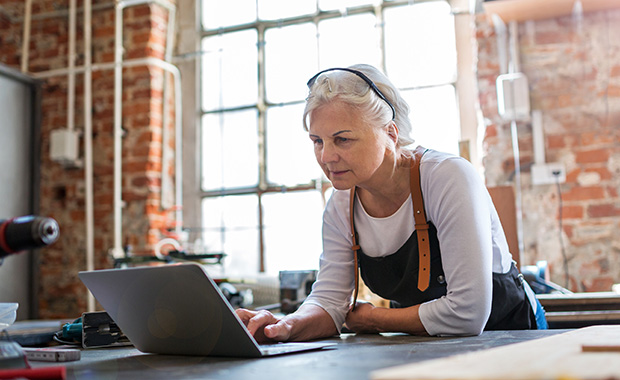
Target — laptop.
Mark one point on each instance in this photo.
(178, 309)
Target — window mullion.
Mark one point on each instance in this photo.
(262, 149)
(262, 108)
(381, 31)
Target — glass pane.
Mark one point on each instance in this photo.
(293, 223)
(229, 150)
(420, 44)
(360, 43)
(434, 116)
(230, 226)
(290, 60)
(279, 9)
(229, 70)
(330, 5)
(220, 14)
(290, 155)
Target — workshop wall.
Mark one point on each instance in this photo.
(62, 191)
(573, 68)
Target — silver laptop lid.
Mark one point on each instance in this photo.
(171, 309)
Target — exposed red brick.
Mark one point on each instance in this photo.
(581, 193)
(597, 137)
(572, 212)
(603, 210)
(568, 230)
(599, 284)
(555, 141)
(611, 91)
(592, 156)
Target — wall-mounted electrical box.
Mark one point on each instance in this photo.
(64, 147)
(513, 96)
(548, 173)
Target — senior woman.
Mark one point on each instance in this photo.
(418, 226)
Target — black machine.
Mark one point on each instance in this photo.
(25, 233)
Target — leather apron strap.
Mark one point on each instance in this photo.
(421, 225)
(355, 247)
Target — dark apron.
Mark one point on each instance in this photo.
(395, 278)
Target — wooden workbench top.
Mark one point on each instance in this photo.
(557, 357)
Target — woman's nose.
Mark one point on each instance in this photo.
(328, 154)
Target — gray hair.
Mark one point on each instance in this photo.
(352, 90)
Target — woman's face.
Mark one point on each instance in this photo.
(348, 149)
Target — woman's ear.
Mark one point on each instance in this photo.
(392, 131)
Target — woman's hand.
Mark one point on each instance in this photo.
(367, 318)
(361, 319)
(264, 326)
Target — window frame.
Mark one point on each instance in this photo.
(193, 193)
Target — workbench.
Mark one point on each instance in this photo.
(574, 310)
(354, 357)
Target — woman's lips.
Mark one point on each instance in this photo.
(338, 172)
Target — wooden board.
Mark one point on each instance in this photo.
(504, 201)
(558, 357)
(580, 301)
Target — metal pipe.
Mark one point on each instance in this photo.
(178, 143)
(515, 64)
(88, 147)
(165, 152)
(108, 66)
(518, 196)
(59, 13)
(514, 67)
(117, 249)
(26, 38)
(500, 32)
(71, 65)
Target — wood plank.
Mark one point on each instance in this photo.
(567, 316)
(580, 301)
(504, 201)
(557, 357)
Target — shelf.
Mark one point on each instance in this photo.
(523, 10)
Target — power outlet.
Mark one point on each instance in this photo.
(548, 173)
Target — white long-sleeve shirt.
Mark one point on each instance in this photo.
(471, 239)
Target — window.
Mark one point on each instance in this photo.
(262, 191)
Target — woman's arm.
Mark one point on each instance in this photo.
(307, 323)
(367, 318)
(458, 204)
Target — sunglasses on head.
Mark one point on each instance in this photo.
(370, 83)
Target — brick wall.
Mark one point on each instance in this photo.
(573, 69)
(63, 190)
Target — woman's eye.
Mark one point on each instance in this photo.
(317, 141)
(341, 139)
